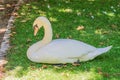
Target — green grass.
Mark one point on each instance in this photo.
(101, 21)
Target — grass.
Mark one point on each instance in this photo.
(101, 22)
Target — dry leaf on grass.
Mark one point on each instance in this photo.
(2, 9)
(80, 28)
(14, 14)
(65, 74)
(3, 62)
(23, 21)
(57, 35)
(74, 64)
(44, 66)
(102, 43)
(69, 37)
(57, 67)
(2, 69)
(32, 67)
(114, 26)
(14, 32)
(28, 40)
(8, 5)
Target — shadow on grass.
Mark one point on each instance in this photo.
(101, 22)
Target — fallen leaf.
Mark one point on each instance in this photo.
(101, 43)
(98, 31)
(28, 40)
(102, 73)
(11, 35)
(22, 14)
(3, 62)
(80, 28)
(75, 64)
(32, 67)
(69, 37)
(106, 75)
(16, 47)
(57, 67)
(116, 74)
(14, 14)
(40, 69)
(13, 5)
(8, 5)
(78, 13)
(16, 8)
(64, 65)
(65, 74)
(113, 26)
(57, 35)
(2, 69)
(23, 21)
(14, 32)
(99, 70)
(2, 8)
(105, 32)
(18, 16)
(90, 13)
(44, 66)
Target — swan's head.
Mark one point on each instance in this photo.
(36, 28)
(39, 22)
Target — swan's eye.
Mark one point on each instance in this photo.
(35, 26)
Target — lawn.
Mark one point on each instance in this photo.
(100, 20)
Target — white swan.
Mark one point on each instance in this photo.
(60, 50)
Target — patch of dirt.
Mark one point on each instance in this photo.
(6, 9)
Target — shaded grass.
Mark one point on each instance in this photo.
(102, 28)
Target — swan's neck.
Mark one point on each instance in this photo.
(46, 39)
(47, 33)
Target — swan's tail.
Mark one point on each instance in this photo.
(96, 53)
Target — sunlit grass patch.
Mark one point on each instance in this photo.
(51, 74)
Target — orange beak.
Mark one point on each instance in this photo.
(35, 30)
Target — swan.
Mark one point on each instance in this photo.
(60, 50)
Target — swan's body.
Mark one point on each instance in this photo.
(60, 50)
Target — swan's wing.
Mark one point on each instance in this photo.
(66, 48)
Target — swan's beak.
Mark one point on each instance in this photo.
(35, 30)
